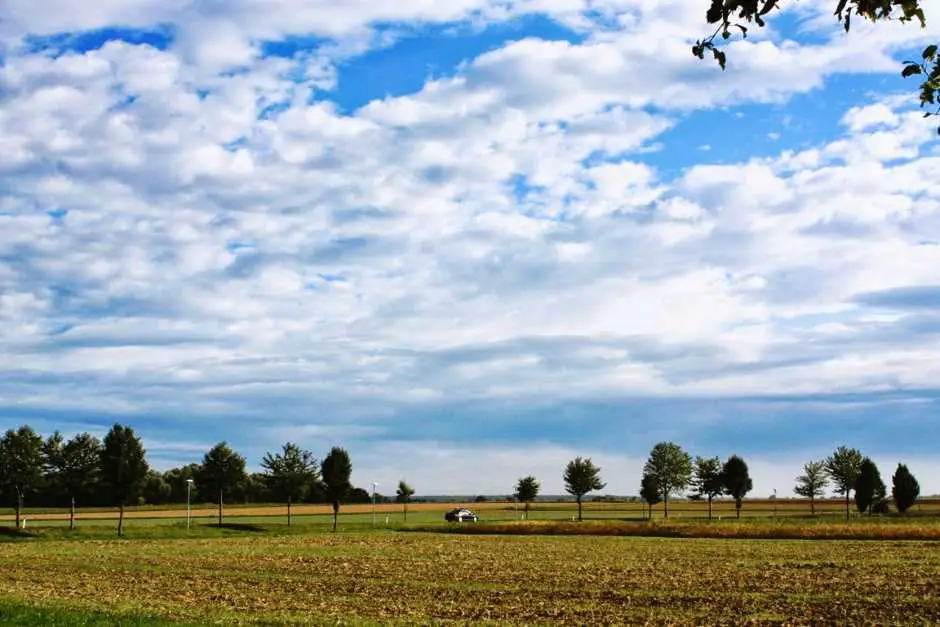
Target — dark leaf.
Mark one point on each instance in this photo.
(720, 57)
(930, 52)
(768, 7)
(911, 70)
(714, 13)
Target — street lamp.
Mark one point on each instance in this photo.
(189, 487)
(373, 502)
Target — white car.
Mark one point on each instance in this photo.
(460, 514)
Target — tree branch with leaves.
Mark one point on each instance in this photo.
(732, 16)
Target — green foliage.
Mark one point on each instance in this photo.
(222, 470)
(336, 470)
(582, 476)
(736, 480)
(73, 469)
(842, 468)
(905, 489)
(649, 492)
(403, 494)
(812, 483)
(527, 488)
(671, 468)
(156, 490)
(706, 479)
(123, 467)
(179, 489)
(21, 466)
(868, 485)
(733, 14)
(291, 474)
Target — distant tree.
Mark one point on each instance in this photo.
(123, 467)
(291, 474)
(869, 487)
(336, 470)
(180, 491)
(21, 466)
(812, 483)
(736, 481)
(156, 490)
(527, 488)
(358, 496)
(904, 489)
(582, 476)
(649, 492)
(222, 470)
(403, 494)
(257, 490)
(73, 468)
(707, 480)
(843, 467)
(671, 468)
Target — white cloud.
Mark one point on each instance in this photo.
(496, 234)
(434, 468)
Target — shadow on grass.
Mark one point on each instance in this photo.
(13, 532)
(250, 527)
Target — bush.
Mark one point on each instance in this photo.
(881, 506)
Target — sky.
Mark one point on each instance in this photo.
(469, 240)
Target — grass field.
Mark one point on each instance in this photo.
(386, 576)
(433, 512)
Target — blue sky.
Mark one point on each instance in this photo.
(507, 233)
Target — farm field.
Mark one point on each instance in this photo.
(495, 511)
(381, 576)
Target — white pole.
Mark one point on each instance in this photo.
(189, 486)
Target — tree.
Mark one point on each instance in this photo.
(671, 468)
(222, 470)
(904, 489)
(291, 474)
(123, 467)
(582, 476)
(707, 479)
(842, 467)
(527, 488)
(869, 487)
(649, 492)
(21, 465)
(336, 470)
(73, 467)
(156, 490)
(736, 481)
(403, 494)
(812, 483)
(180, 491)
(732, 14)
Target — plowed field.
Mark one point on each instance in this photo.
(378, 577)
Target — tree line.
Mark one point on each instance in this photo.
(55, 472)
(115, 472)
(671, 471)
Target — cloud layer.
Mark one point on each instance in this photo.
(195, 235)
